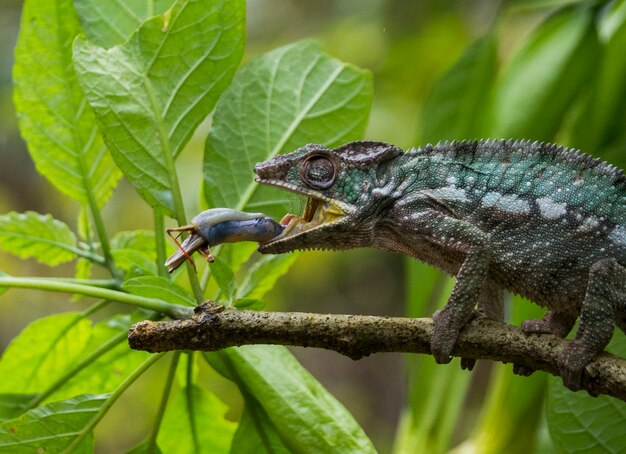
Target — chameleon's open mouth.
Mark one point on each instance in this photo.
(319, 211)
(316, 213)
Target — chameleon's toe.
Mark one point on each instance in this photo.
(573, 361)
(524, 371)
(443, 340)
(468, 363)
(535, 327)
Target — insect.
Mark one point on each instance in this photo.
(217, 226)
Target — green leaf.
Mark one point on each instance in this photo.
(456, 104)
(160, 288)
(140, 240)
(42, 352)
(581, 423)
(224, 277)
(263, 275)
(278, 102)
(194, 422)
(293, 400)
(249, 304)
(134, 251)
(112, 22)
(545, 76)
(106, 372)
(53, 427)
(12, 405)
(31, 234)
(602, 117)
(151, 92)
(54, 117)
(256, 433)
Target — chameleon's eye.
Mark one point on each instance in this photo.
(318, 172)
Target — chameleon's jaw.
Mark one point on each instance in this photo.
(320, 213)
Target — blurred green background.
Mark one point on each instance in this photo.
(408, 46)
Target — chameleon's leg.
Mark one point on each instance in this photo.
(606, 290)
(470, 279)
(490, 306)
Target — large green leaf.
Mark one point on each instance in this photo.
(112, 22)
(307, 417)
(160, 288)
(53, 427)
(457, 102)
(546, 75)
(115, 363)
(54, 117)
(31, 234)
(151, 92)
(262, 276)
(581, 423)
(256, 433)
(12, 405)
(194, 422)
(42, 352)
(134, 251)
(47, 349)
(278, 102)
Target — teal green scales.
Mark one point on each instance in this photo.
(536, 219)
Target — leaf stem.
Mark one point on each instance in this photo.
(152, 446)
(159, 227)
(111, 400)
(190, 403)
(104, 348)
(170, 165)
(172, 310)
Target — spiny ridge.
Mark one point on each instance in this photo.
(553, 152)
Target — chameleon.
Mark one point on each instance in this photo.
(535, 219)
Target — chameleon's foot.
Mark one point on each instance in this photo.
(524, 371)
(468, 363)
(443, 340)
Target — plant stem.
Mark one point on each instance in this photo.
(111, 400)
(102, 283)
(159, 227)
(172, 310)
(151, 445)
(104, 348)
(190, 402)
(170, 165)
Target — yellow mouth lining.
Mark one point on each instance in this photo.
(316, 213)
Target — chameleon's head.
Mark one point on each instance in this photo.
(340, 210)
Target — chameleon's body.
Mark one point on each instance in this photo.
(535, 219)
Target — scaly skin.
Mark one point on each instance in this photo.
(535, 219)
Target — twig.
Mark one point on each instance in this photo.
(213, 328)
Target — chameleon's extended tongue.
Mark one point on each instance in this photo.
(191, 244)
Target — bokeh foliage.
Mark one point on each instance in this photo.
(143, 84)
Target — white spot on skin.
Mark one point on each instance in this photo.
(451, 180)
(618, 236)
(550, 209)
(588, 225)
(510, 203)
(449, 193)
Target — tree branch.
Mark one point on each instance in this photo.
(214, 327)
